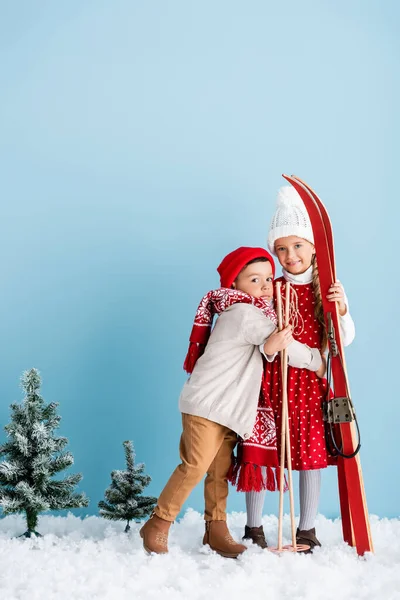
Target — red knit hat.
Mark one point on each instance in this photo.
(235, 261)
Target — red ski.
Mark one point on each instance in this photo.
(353, 506)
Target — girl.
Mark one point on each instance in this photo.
(220, 398)
(291, 240)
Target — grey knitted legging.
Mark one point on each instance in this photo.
(310, 487)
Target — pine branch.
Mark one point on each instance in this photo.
(61, 462)
(50, 413)
(31, 498)
(72, 501)
(60, 443)
(11, 505)
(68, 483)
(11, 472)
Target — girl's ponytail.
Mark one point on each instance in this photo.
(318, 310)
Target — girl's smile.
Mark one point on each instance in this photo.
(294, 254)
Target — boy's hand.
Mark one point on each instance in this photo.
(322, 370)
(336, 294)
(279, 340)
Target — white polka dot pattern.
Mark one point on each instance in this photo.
(305, 394)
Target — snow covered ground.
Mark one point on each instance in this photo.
(91, 558)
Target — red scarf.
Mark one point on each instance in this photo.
(214, 303)
(260, 450)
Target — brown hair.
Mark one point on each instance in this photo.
(318, 309)
(254, 260)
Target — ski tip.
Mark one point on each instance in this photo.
(292, 179)
(288, 177)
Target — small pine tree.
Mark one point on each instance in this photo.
(124, 501)
(33, 456)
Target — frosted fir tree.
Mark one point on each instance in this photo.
(34, 455)
(124, 500)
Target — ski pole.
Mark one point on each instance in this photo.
(284, 360)
(285, 433)
(283, 424)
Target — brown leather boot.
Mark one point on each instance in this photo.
(155, 535)
(308, 538)
(256, 535)
(219, 539)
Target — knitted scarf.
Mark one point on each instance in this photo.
(214, 303)
(256, 465)
(246, 471)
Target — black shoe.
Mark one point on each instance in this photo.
(307, 538)
(256, 535)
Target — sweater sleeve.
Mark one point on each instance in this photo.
(299, 355)
(256, 328)
(304, 357)
(347, 328)
(268, 357)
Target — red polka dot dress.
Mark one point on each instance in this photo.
(305, 393)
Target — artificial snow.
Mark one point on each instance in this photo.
(92, 558)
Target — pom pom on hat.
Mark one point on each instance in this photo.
(290, 218)
(288, 197)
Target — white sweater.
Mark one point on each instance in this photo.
(225, 384)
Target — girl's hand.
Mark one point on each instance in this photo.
(322, 370)
(279, 340)
(336, 294)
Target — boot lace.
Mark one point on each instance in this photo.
(162, 539)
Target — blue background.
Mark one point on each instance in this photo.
(142, 141)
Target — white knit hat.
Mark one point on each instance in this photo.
(290, 218)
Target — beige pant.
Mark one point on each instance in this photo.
(206, 447)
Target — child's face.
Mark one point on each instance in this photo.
(256, 279)
(294, 254)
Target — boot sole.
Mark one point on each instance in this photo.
(245, 539)
(226, 554)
